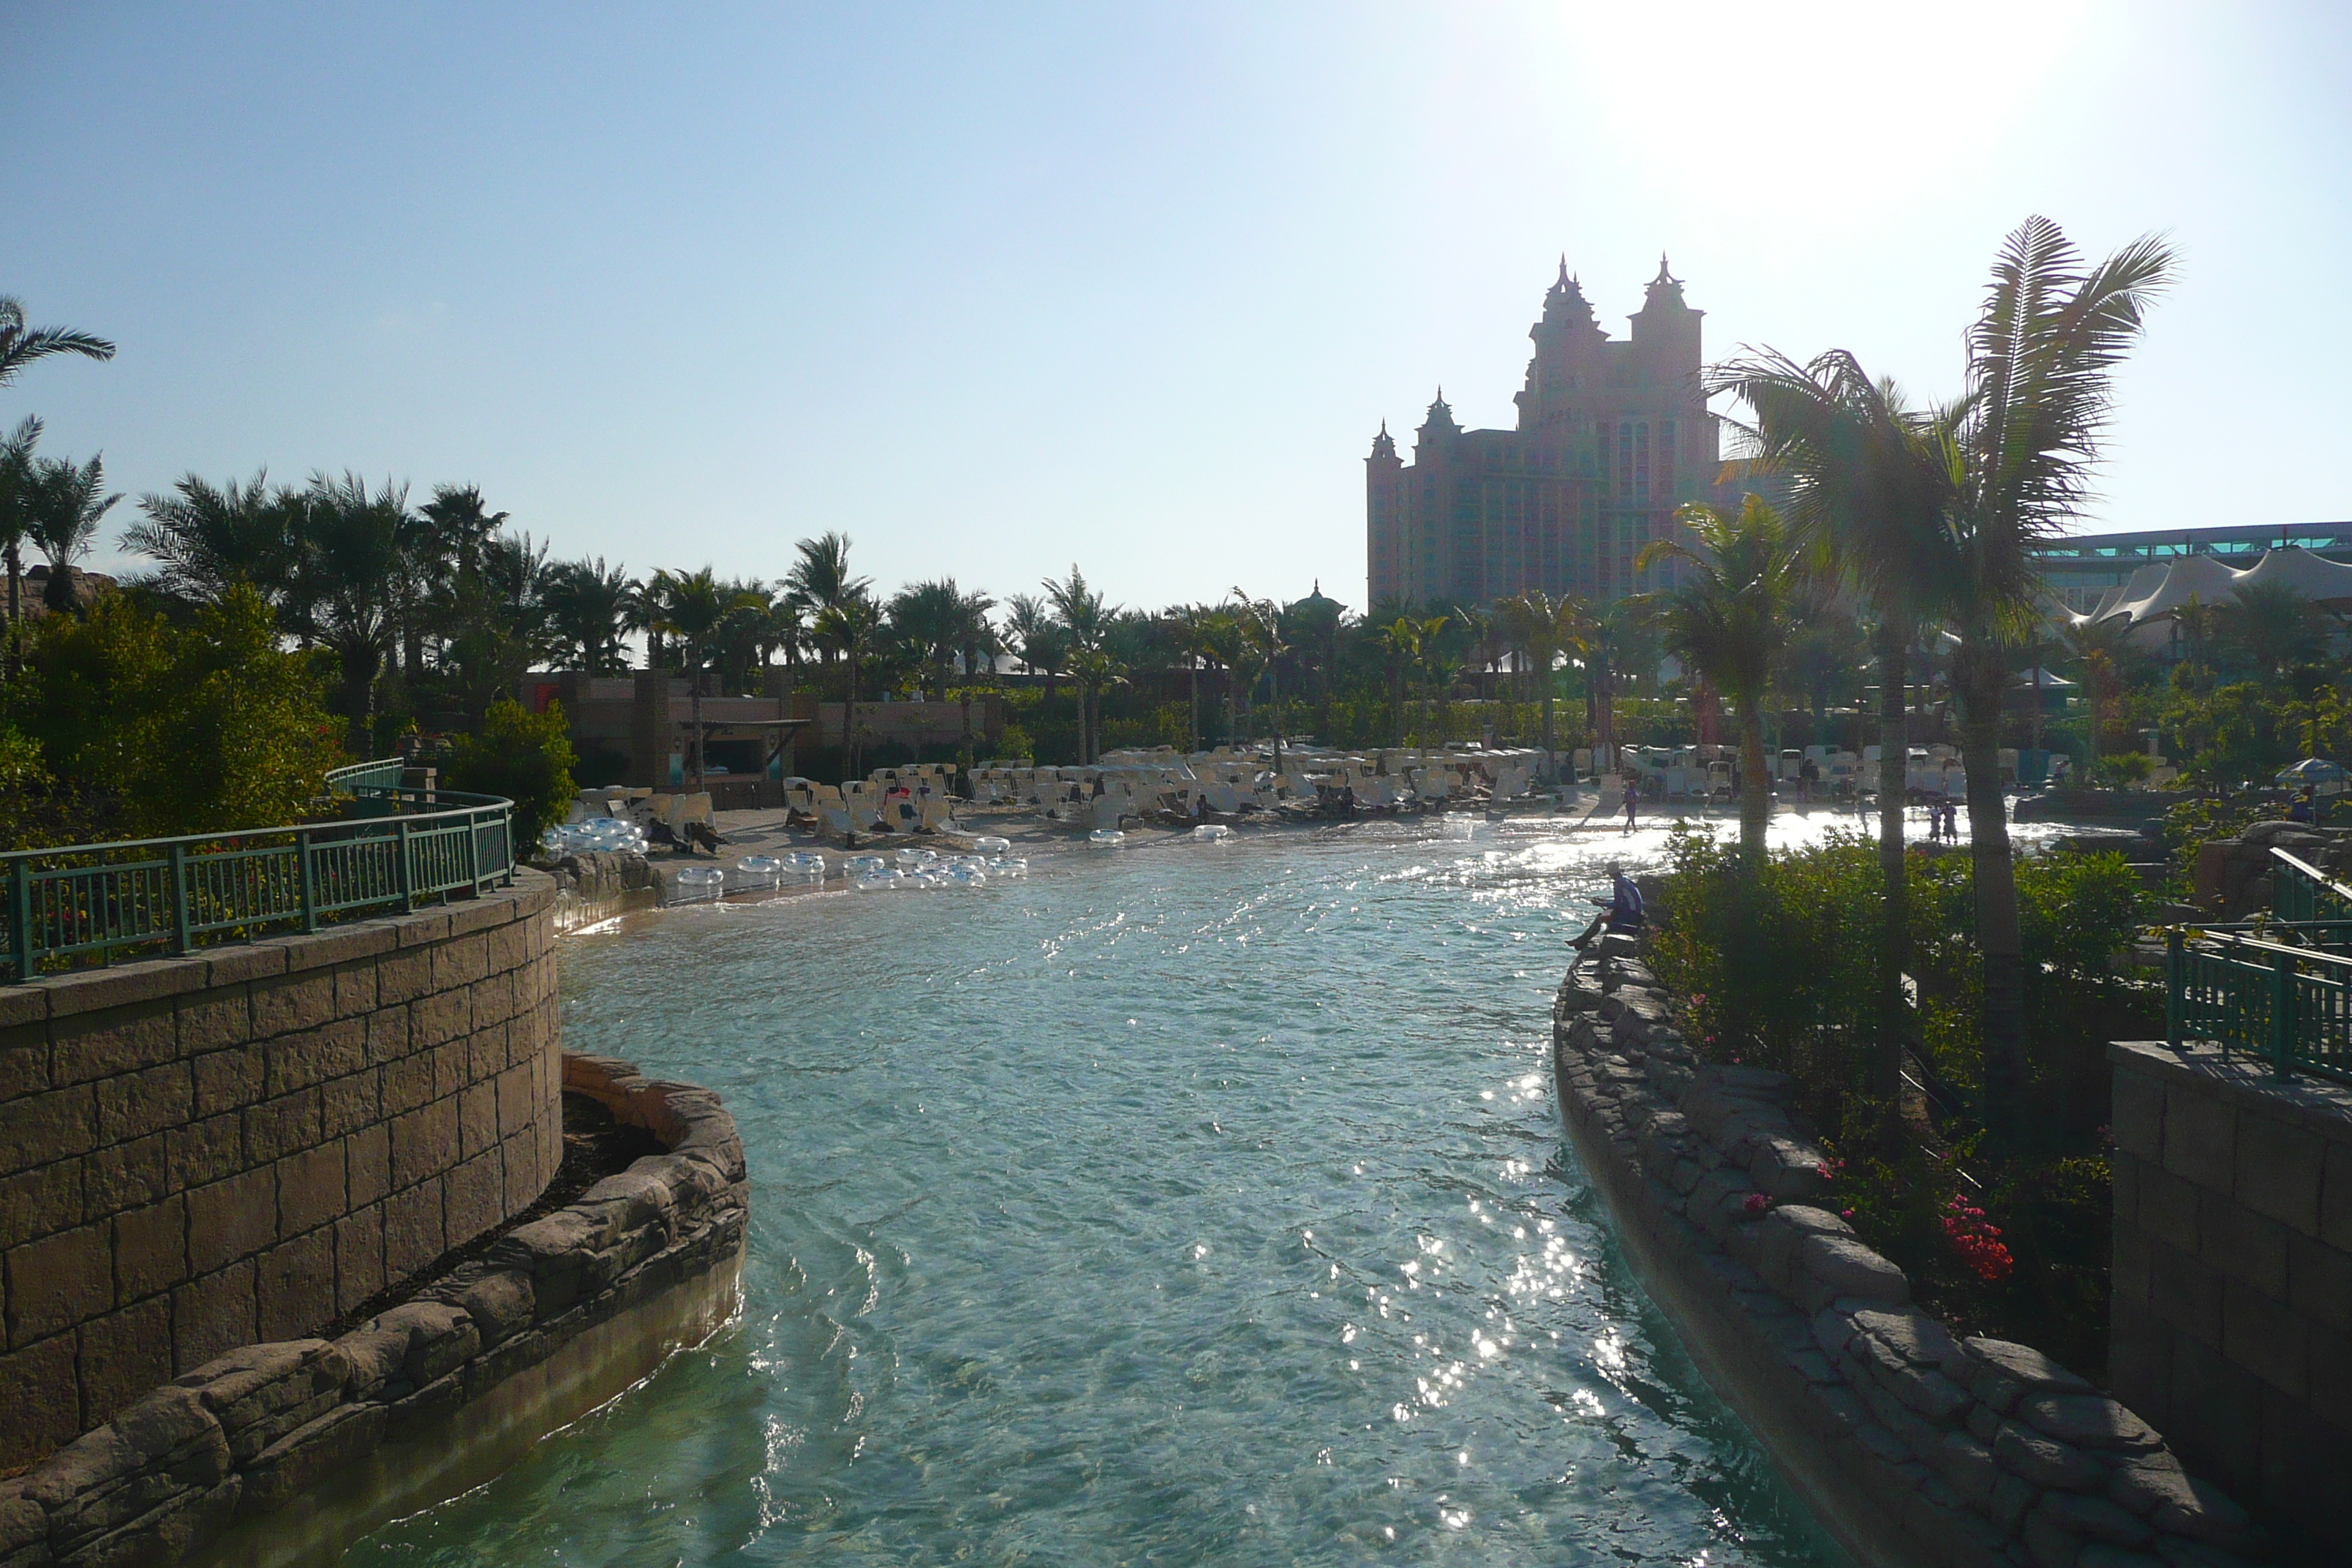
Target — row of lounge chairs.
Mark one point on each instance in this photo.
(1162, 786)
(888, 800)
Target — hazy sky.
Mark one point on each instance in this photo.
(996, 288)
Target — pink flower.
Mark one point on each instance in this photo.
(1756, 1203)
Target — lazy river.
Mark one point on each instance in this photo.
(1181, 1204)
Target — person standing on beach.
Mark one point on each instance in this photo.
(1632, 801)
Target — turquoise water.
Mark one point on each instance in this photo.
(1183, 1203)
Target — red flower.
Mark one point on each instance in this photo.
(1756, 1203)
(1977, 1240)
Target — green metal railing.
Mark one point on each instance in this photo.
(92, 903)
(2279, 988)
(2301, 892)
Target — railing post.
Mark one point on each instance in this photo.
(310, 891)
(400, 838)
(2281, 1020)
(2174, 979)
(506, 836)
(20, 917)
(180, 921)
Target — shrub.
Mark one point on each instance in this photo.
(524, 756)
(1781, 973)
(149, 729)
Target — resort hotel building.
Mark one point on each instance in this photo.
(1613, 435)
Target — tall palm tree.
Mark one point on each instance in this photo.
(588, 607)
(350, 544)
(1400, 645)
(453, 536)
(1261, 623)
(1542, 629)
(1037, 638)
(1728, 617)
(2037, 399)
(207, 538)
(932, 617)
(849, 627)
(20, 345)
(1868, 489)
(63, 519)
(15, 504)
(695, 610)
(1085, 616)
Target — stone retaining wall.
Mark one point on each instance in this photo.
(1911, 1448)
(232, 1444)
(2233, 1273)
(248, 1141)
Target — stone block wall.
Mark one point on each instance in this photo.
(244, 1143)
(2233, 1321)
(224, 1463)
(1914, 1447)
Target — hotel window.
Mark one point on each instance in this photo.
(1625, 459)
(1642, 461)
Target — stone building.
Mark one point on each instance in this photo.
(1611, 437)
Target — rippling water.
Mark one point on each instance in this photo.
(1181, 1204)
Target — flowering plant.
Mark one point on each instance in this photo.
(1977, 1239)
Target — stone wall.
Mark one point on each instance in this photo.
(1913, 1447)
(2233, 1273)
(247, 1142)
(288, 1451)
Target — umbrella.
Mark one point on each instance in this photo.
(2324, 776)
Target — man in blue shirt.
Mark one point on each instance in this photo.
(1620, 912)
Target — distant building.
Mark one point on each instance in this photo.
(2084, 570)
(1611, 437)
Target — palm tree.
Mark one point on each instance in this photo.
(1039, 639)
(2277, 628)
(1261, 624)
(588, 607)
(1729, 618)
(1085, 617)
(453, 534)
(207, 538)
(695, 610)
(932, 617)
(1542, 629)
(15, 504)
(20, 345)
(2035, 410)
(820, 577)
(848, 627)
(350, 545)
(63, 519)
(1868, 486)
(1400, 645)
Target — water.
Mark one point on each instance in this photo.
(1184, 1203)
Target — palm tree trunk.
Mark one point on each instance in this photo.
(849, 720)
(1977, 675)
(1193, 735)
(1755, 790)
(1894, 643)
(1273, 706)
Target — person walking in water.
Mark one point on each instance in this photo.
(1633, 802)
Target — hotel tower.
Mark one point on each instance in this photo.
(1611, 437)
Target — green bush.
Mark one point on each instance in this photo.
(524, 756)
(1780, 970)
(149, 729)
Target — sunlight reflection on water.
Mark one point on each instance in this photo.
(1178, 1206)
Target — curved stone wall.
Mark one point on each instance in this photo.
(283, 1454)
(248, 1142)
(1914, 1449)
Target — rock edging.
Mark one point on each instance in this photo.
(1914, 1447)
(247, 1433)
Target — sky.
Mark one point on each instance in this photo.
(999, 290)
